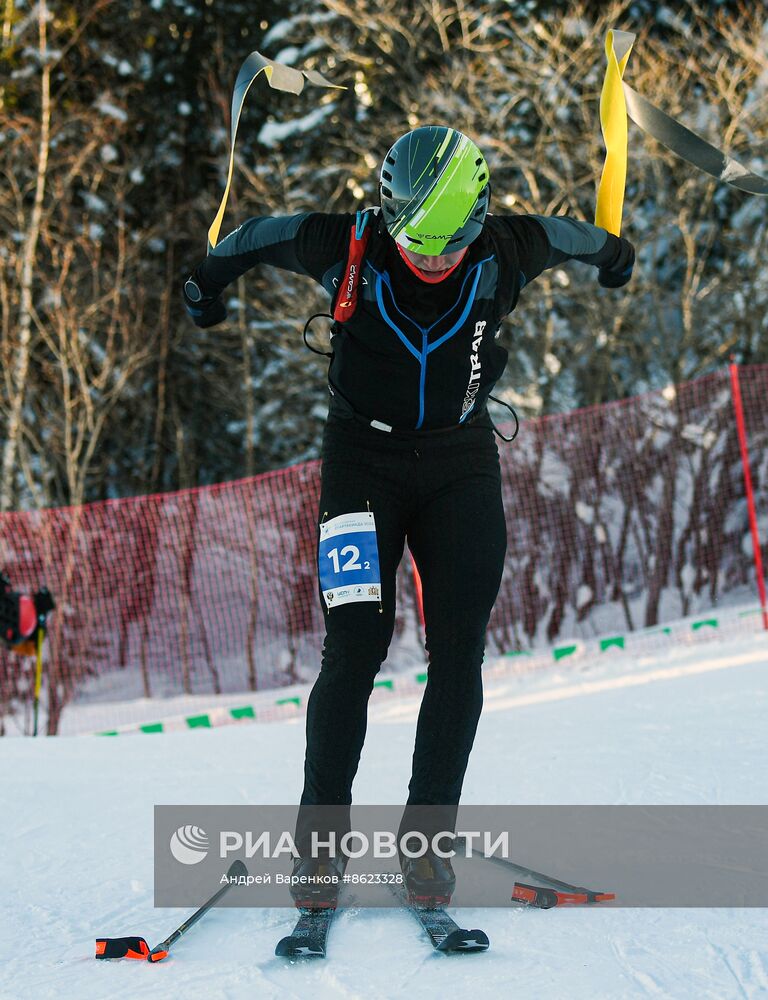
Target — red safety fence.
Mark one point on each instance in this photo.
(619, 516)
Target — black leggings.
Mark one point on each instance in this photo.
(443, 493)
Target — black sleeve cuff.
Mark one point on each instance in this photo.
(618, 270)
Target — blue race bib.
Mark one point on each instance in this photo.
(348, 559)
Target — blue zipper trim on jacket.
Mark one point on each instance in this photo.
(388, 321)
(465, 312)
(382, 278)
(387, 281)
(422, 377)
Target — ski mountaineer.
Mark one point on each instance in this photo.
(419, 288)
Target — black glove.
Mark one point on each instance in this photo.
(620, 271)
(205, 310)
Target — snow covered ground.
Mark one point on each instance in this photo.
(687, 726)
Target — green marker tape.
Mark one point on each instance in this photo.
(615, 640)
(560, 652)
(246, 712)
(711, 622)
(198, 721)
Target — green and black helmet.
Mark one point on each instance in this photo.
(434, 190)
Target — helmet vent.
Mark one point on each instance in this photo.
(386, 192)
(386, 175)
(389, 159)
(479, 161)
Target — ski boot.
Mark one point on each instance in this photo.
(316, 882)
(429, 879)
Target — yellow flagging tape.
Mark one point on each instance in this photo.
(279, 77)
(613, 121)
(617, 102)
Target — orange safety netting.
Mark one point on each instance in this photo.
(619, 516)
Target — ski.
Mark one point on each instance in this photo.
(310, 935)
(444, 933)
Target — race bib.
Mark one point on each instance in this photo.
(348, 559)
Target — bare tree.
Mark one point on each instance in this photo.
(16, 358)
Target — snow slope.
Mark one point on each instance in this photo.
(77, 845)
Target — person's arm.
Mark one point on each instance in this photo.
(547, 241)
(302, 243)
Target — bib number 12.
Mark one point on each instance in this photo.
(353, 561)
(348, 559)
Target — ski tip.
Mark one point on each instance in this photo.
(462, 940)
(293, 947)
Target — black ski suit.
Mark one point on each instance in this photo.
(408, 438)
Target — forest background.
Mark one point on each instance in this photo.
(113, 150)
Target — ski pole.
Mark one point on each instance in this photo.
(161, 950)
(137, 947)
(38, 677)
(566, 889)
(545, 898)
